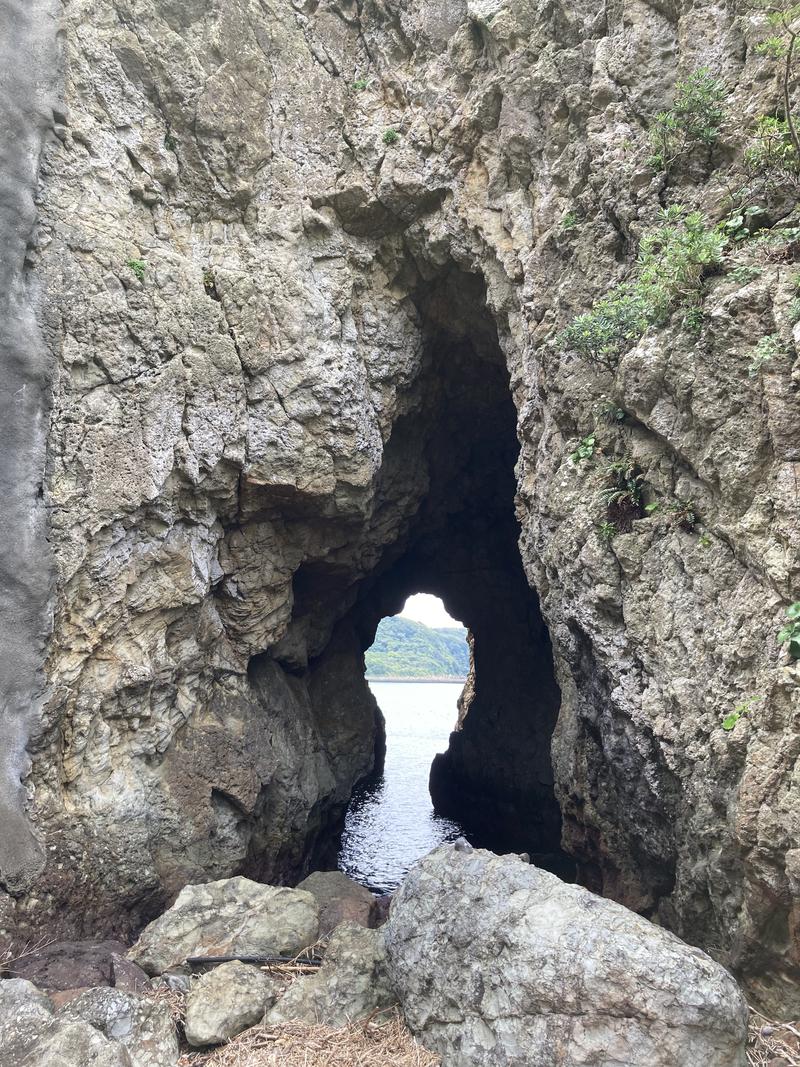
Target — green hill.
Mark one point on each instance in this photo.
(407, 649)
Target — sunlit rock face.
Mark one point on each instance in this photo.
(291, 267)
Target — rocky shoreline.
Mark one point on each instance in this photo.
(484, 961)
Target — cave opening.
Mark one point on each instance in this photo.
(458, 442)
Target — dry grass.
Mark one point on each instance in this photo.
(772, 1044)
(385, 1043)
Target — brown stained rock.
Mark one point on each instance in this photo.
(69, 965)
(340, 899)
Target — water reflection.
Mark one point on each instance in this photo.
(391, 822)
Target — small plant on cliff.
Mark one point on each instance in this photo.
(570, 221)
(585, 449)
(684, 514)
(790, 634)
(746, 706)
(137, 268)
(782, 46)
(764, 352)
(360, 84)
(771, 157)
(673, 259)
(623, 496)
(694, 119)
(612, 413)
(169, 142)
(390, 136)
(607, 531)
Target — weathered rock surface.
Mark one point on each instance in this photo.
(231, 917)
(32, 1035)
(79, 964)
(500, 964)
(142, 1025)
(340, 899)
(302, 367)
(350, 985)
(225, 1001)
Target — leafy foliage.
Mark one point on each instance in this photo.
(390, 136)
(694, 119)
(360, 84)
(137, 267)
(570, 221)
(790, 634)
(405, 648)
(684, 514)
(673, 259)
(746, 706)
(623, 496)
(585, 448)
(607, 531)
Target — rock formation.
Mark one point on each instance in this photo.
(282, 284)
(527, 970)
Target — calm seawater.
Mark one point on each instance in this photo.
(391, 824)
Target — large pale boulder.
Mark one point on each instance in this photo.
(231, 917)
(226, 1000)
(499, 964)
(350, 985)
(33, 1036)
(340, 900)
(142, 1025)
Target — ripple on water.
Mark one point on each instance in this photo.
(391, 823)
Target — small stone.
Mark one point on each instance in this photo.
(462, 845)
(225, 1001)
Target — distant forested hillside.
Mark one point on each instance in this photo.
(407, 649)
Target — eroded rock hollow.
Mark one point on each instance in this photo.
(282, 292)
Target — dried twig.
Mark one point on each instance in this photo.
(772, 1043)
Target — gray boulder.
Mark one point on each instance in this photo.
(499, 964)
(25, 1014)
(350, 985)
(142, 1025)
(32, 1035)
(231, 917)
(226, 1000)
(340, 899)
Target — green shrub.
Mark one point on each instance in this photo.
(771, 148)
(137, 267)
(570, 221)
(585, 449)
(694, 119)
(673, 258)
(607, 531)
(790, 634)
(390, 136)
(744, 274)
(611, 413)
(360, 84)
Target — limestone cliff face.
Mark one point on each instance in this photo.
(293, 263)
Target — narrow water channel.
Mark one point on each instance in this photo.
(391, 822)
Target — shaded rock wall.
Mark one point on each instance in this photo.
(235, 257)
